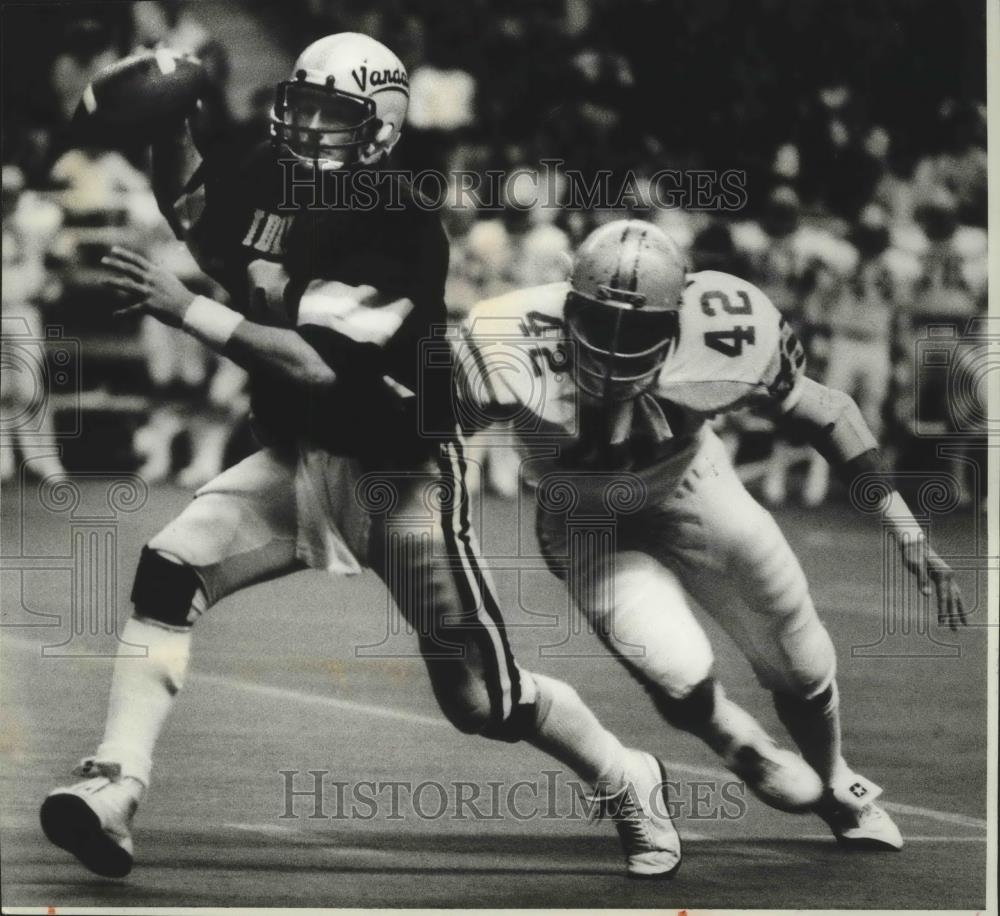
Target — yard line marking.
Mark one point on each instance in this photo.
(907, 838)
(324, 838)
(282, 693)
(945, 817)
(299, 696)
(388, 712)
(266, 829)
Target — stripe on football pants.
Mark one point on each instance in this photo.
(466, 585)
(502, 681)
(513, 680)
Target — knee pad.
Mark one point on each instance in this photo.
(689, 712)
(164, 591)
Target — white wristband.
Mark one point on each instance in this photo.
(211, 322)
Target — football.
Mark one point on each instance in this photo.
(139, 97)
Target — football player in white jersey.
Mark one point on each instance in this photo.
(611, 378)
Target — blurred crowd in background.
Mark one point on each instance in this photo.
(860, 128)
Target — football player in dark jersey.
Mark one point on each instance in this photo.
(331, 300)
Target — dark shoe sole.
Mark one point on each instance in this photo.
(70, 823)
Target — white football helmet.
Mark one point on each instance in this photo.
(344, 105)
(623, 308)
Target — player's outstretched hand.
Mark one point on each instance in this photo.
(935, 575)
(154, 291)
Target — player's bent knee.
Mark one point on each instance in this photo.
(520, 724)
(690, 711)
(469, 710)
(537, 695)
(810, 658)
(468, 721)
(164, 590)
(667, 672)
(473, 717)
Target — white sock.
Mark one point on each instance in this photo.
(567, 730)
(142, 693)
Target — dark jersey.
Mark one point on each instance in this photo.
(281, 241)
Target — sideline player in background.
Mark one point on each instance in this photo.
(862, 308)
(332, 305)
(30, 223)
(628, 362)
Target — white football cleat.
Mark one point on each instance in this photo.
(642, 818)
(93, 818)
(856, 821)
(778, 777)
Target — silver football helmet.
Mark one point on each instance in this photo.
(623, 307)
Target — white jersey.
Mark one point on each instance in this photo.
(734, 350)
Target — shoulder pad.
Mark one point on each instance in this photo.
(730, 350)
(505, 339)
(509, 312)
